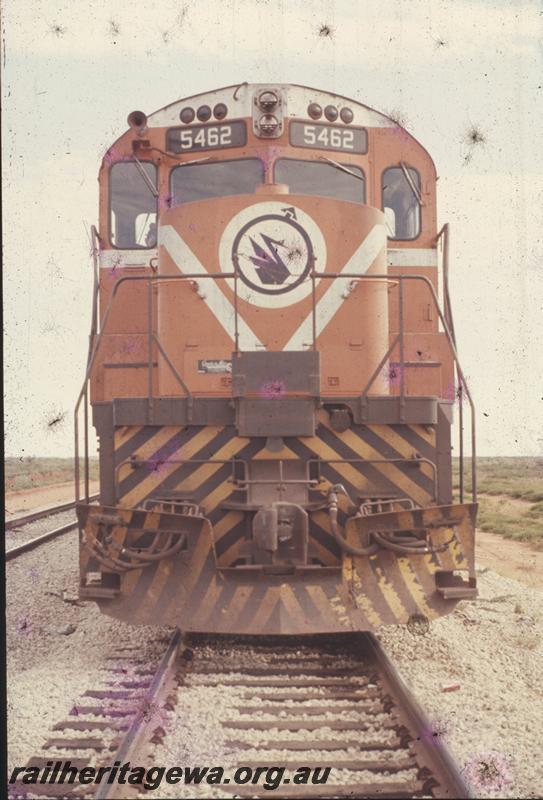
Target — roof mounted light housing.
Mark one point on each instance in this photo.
(346, 115)
(268, 125)
(268, 100)
(268, 112)
(204, 113)
(220, 111)
(187, 115)
(138, 122)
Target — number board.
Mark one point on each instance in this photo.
(329, 137)
(206, 137)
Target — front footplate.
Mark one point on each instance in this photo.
(116, 540)
(431, 548)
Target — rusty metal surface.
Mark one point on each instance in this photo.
(427, 769)
(231, 574)
(434, 758)
(137, 730)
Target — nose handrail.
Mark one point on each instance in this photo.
(445, 317)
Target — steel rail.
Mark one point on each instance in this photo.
(438, 776)
(45, 537)
(134, 735)
(25, 519)
(429, 749)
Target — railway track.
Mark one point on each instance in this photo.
(322, 702)
(34, 516)
(40, 513)
(105, 720)
(327, 701)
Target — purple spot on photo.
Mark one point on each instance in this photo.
(118, 262)
(273, 389)
(455, 393)
(151, 713)
(15, 793)
(394, 374)
(157, 464)
(114, 155)
(435, 733)
(24, 625)
(131, 346)
(165, 202)
(488, 771)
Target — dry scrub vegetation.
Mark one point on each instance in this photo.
(510, 497)
(29, 473)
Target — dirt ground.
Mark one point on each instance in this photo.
(40, 497)
(509, 558)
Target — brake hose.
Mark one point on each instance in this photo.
(409, 548)
(345, 546)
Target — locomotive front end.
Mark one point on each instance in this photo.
(274, 456)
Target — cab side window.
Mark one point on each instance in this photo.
(133, 204)
(401, 202)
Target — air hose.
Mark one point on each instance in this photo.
(407, 547)
(133, 557)
(332, 512)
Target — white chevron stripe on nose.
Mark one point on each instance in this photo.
(330, 302)
(217, 302)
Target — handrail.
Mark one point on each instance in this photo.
(95, 239)
(414, 462)
(242, 482)
(443, 237)
(462, 384)
(445, 319)
(97, 337)
(95, 250)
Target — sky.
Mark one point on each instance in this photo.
(72, 71)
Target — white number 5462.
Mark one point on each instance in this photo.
(328, 137)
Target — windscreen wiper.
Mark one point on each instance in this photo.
(194, 161)
(412, 186)
(146, 177)
(339, 166)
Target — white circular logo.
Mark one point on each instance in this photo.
(273, 248)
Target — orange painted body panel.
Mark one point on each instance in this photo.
(352, 343)
(355, 339)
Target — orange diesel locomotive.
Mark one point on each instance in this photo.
(272, 373)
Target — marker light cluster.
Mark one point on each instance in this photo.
(269, 124)
(267, 101)
(314, 110)
(203, 113)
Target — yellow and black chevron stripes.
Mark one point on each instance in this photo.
(395, 583)
(195, 591)
(171, 460)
